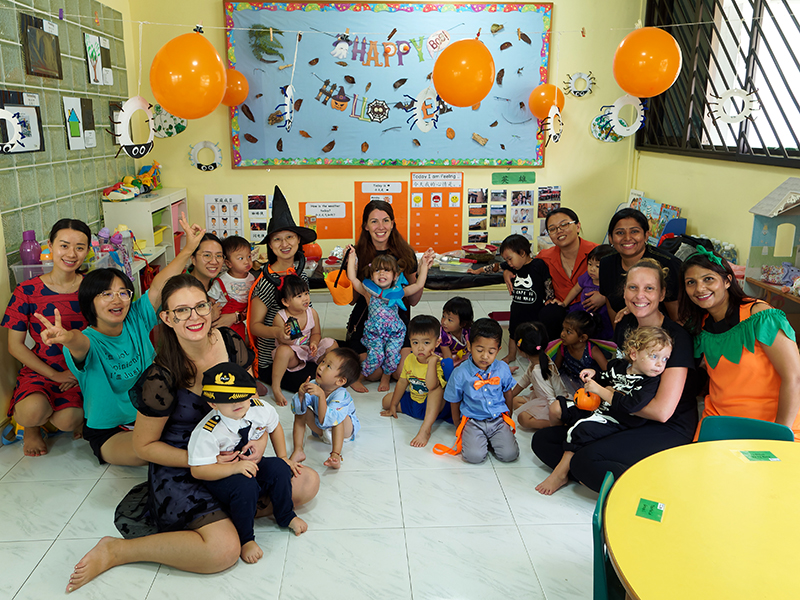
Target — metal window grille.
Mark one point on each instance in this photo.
(753, 45)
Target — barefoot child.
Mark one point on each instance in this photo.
(235, 427)
(419, 392)
(231, 289)
(304, 345)
(384, 331)
(631, 384)
(326, 406)
(531, 286)
(542, 375)
(480, 388)
(577, 352)
(457, 318)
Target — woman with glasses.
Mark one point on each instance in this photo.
(174, 519)
(627, 232)
(109, 355)
(46, 391)
(567, 260)
(207, 260)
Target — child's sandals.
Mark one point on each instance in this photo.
(334, 461)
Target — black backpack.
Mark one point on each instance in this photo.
(683, 246)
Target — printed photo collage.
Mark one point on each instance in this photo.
(491, 210)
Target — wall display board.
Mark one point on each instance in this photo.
(224, 215)
(350, 84)
(436, 211)
(393, 192)
(332, 220)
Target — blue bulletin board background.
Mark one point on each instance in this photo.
(356, 118)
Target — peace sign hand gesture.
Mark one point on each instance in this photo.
(54, 333)
(194, 233)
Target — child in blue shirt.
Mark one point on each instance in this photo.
(480, 387)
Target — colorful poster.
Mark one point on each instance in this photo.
(437, 224)
(224, 215)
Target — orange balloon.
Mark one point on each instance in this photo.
(647, 62)
(543, 97)
(463, 74)
(236, 90)
(187, 76)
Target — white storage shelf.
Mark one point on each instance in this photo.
(165, 204)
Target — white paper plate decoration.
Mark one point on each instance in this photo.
(195, 150)
(750, 103)
(14, 135)
(617, 124)
(130, 106)
(167, 125)
(601, 129)
(571, 85)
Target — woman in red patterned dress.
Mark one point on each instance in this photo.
(46, 390)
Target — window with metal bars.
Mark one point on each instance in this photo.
(750, 45)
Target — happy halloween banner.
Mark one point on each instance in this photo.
(351, 84)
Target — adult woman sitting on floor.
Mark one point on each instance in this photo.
(748, 347)
(380, 236)
(672, 413)
(284, 240)
(175, 521)
(627, 232)
(46, 390)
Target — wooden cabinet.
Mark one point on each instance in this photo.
(151, 216)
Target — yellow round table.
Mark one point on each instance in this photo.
(729, 525)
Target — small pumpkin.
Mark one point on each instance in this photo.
(586, 400)
(312, 251)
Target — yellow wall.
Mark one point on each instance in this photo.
(595, 176)
(715, 195)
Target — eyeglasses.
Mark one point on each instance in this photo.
(184, 313)
(206, 256)
(560, 226)
(108, 295)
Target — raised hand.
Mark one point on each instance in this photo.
(304, 386)
(53, 333)
(194, 233)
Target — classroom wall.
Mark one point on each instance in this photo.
(594, 176)
(714, 195)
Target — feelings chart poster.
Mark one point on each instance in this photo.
(351, 84)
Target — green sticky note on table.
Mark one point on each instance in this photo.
(649, 509)
(514, 177)
(760, 456)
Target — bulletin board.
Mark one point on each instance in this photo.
(334, 220)
(436, 208)
(393, 192)
(350, 84)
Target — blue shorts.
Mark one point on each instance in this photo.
(417, 409)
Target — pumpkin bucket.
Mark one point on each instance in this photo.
(342, 292)
(586, 400)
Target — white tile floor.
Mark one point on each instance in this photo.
(395, 522)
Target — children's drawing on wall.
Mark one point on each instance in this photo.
(93, 59)
(497, 217)
(499, 196)
(73, 117)
(522, 198)
(477, 195)
(521, 215)
(523, 230)
(41, 47)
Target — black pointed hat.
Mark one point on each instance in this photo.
(282, 220)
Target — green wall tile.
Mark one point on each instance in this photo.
(65, 84)
(61, 179)
(28, 194)
(49, 216)
(89, 176)
(32, 219)
(9, 23)
(13, 67)
(42, 5)
(80, 207)
(9, 196)
(45, 183)
(87, 15)
(23, 159)
(64, 208)
(75, 170)
(43, 157)
(58, 142)
(93, 207)
(12, 229)
(54, 113)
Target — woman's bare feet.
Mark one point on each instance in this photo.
(359, 387)
(251, 552)
(334, 460)
(298, 526)
(33, 443)
(386, 379)
(553, 483)
(298, 456)
(98, 560)
(280, 399)
(421, 439)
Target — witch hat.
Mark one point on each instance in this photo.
(282, 220)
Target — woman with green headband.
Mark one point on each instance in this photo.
(748, 347)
